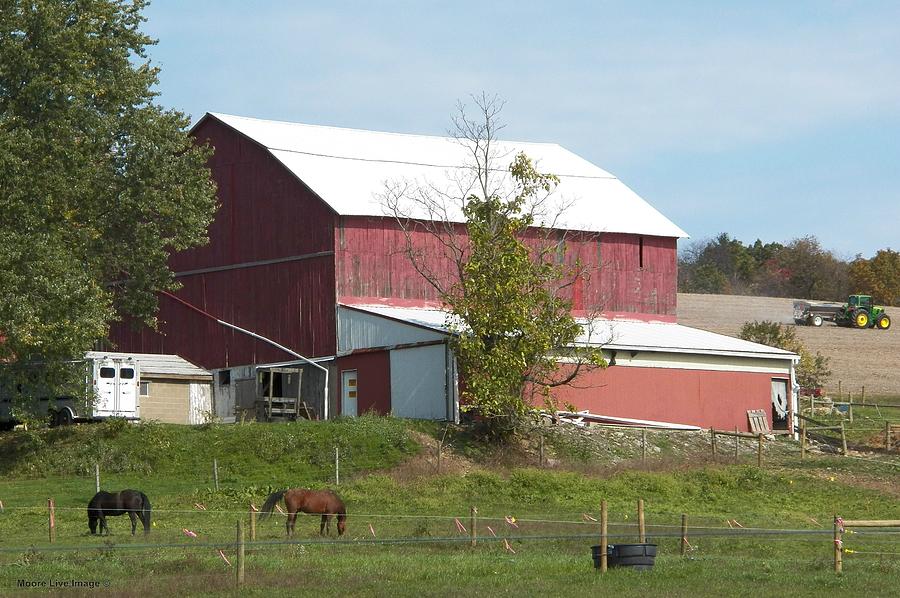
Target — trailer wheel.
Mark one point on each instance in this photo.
(884, 322)
(62, 417)
(861, 319)
(816, 320)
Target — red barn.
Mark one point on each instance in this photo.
(302, 254)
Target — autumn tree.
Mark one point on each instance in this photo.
(510, 321)
(98, 182)
(878, 276)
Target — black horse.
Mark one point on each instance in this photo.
(133, 502)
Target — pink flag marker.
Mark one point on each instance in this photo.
(372, 529)
(459, 526)
(188, 532)
(224, 558)
(507, 546)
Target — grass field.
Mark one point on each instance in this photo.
(403, 538)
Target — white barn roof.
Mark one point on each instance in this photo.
(625, 335)
(348, 169)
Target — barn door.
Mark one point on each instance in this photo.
(348, 393)
(780, 404)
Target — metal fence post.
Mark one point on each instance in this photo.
(337, 466)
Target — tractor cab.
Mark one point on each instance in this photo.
(860, 301)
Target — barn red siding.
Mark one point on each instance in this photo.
(371, 261)
(265, 214)
(372, 265)
(631, 284)
(373, 380)
(702, 398)
(290, 303)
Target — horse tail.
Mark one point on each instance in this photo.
(269, 505)
(145, 509)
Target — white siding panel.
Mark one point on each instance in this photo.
(201, 403)
(361, 330)
(418, 382)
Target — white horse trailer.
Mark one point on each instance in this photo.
(113, 384)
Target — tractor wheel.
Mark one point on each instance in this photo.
(861, 319)
(884, 322)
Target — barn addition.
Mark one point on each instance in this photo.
(303, 257)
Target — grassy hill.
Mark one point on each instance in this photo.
(402, 535)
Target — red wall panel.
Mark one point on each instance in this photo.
(372, 264)
(291, 303)
(702, 398)
(373, 380)
(265, 212)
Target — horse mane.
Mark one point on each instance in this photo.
(270, 503)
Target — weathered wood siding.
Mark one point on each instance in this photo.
(622, 273)
(265, 214)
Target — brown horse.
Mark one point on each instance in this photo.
(296, 500)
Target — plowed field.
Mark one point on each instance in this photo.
(869, 358)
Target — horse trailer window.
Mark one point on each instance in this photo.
(126, 373)
(145, 389)
(107, 372)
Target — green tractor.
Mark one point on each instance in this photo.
(859, 312)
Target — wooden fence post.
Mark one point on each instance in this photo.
(850, 406)
(759, 450)
(239, 565)
(843, 440)
(440, 450)
(838, 546)
(887, 435)
(683, 534)
(712, 443)
(252, 524)
(51, 513)
(603, 537)
(542, 448)
(473, 522)
(642, 535)
(802, 439)
(216, 473)
(862, 397)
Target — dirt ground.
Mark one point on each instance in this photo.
(869, 358)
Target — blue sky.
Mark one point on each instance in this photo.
(770, 120)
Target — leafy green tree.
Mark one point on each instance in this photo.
(98, 183)
(510, 322)
(811, 372)
(878, 276)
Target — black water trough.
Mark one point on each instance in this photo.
(636, 556)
